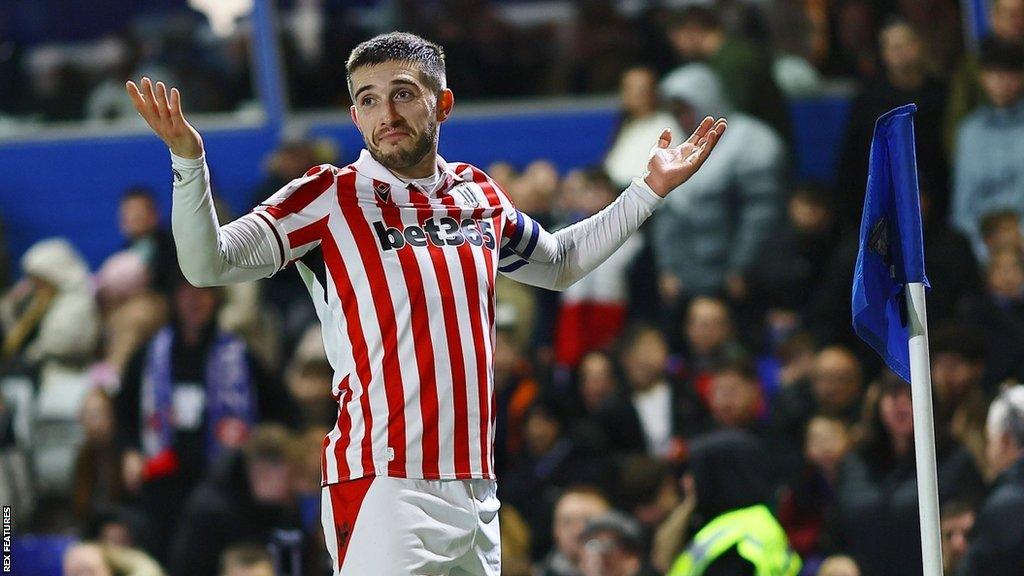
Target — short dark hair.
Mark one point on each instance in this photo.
(702, 17)
(998, 54)
(141, 192)
(402, 47)
(992, 220)
(960, 339)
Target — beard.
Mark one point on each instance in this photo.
(400, 159)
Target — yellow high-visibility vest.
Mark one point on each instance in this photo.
(757, 537)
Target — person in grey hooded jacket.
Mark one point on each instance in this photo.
(707, 233)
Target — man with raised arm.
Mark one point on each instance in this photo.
(399, 251)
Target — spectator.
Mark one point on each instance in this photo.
(640, 123)
(613, 544)
(552, 462)
(838, 566)
(311, 386)
(1006, 24)
(710, 340)
(87, 559)
(592, 312)
(246, 560)
(736, 400)
(707, 232)
(850, 35)
(139, 218)
(790, 264)
(514, 392)
(834, 389)
(905, 78)
(1001, 230)
(648, 490)
(653, 396)
(958, 356)
(999, 313)
(989, 160)
(877, 489)
(189, 395)
(118, 526)
(244, 500)
(956, 525)
(997, 542)
(949, 259)
(807, 507)
(745, 73)
(727, 477)
(575, 508)
(98, 482)
(50, 314)
(132, 311)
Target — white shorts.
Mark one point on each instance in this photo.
(380, 526)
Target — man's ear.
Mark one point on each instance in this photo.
(445, 103)
(355, 117)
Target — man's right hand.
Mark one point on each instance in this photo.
(162, 111)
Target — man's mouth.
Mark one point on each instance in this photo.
(392, 136)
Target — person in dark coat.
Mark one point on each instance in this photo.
(246, 499)
(997, 545)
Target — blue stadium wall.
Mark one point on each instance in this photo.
(71, 188)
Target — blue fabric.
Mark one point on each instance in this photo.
(891, 252)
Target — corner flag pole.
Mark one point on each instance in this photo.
(924, 430)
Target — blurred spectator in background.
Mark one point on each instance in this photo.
(243, 500)
(851, 40)
(905, 78)
(997, 542)
(835, 388)
(50, 316)
(743, 69)
(98, 482)
(188, 396)
(989, 165)
(958, 355)
(736, 400)
(1001, 230)
(938, 22)
(791, 264)
(949, 258)
(89, 559)
(310, 385)
(838, 566)
(707, 232)
(647, 489)
(592, 312)
(552, 461)
(514, 392)
(246, 560)
(709, 340)
(132, 312)
(877, 487)
(727, 476)
(640, 123)
(796, 31)
(999, 314)
(139, 218)
(602, 46)
(613, 544)
(575, 508)
(1006, 24)
(807, 505)
(956, 526)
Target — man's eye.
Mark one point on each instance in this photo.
(403, 95)
(366, 101)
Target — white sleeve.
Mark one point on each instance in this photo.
(537, 257)
(210, 254)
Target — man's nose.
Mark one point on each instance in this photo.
(391, 115)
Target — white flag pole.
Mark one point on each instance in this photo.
(924, 430)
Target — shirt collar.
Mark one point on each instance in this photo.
(370, 167)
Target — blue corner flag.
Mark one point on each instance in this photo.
(891, 252)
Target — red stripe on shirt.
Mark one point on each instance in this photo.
(303, 196)
(394, 389)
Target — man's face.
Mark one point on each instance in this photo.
(1003, 87)
(901, 48)
(572, 513)
(138, 217)
(604, 556)
(1007, 20)
(638, 91)
(688, 41)
(836, 382)
(955, 531)
(733, 399)
(397, 113)
(707, 325)
(953, 376)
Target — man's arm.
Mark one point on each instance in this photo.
(209, 254)
(555, 261)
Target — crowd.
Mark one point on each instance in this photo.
(708, 369)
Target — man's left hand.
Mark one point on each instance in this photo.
(669, 167)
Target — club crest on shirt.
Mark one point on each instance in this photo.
(382, 190)
(465, 195)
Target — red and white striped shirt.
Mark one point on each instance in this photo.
(403, 283)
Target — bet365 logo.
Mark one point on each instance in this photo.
(441, 232)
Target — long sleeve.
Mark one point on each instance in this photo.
(537, 257)
(210, 254)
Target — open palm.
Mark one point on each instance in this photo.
(162, 111)
(669, 167)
